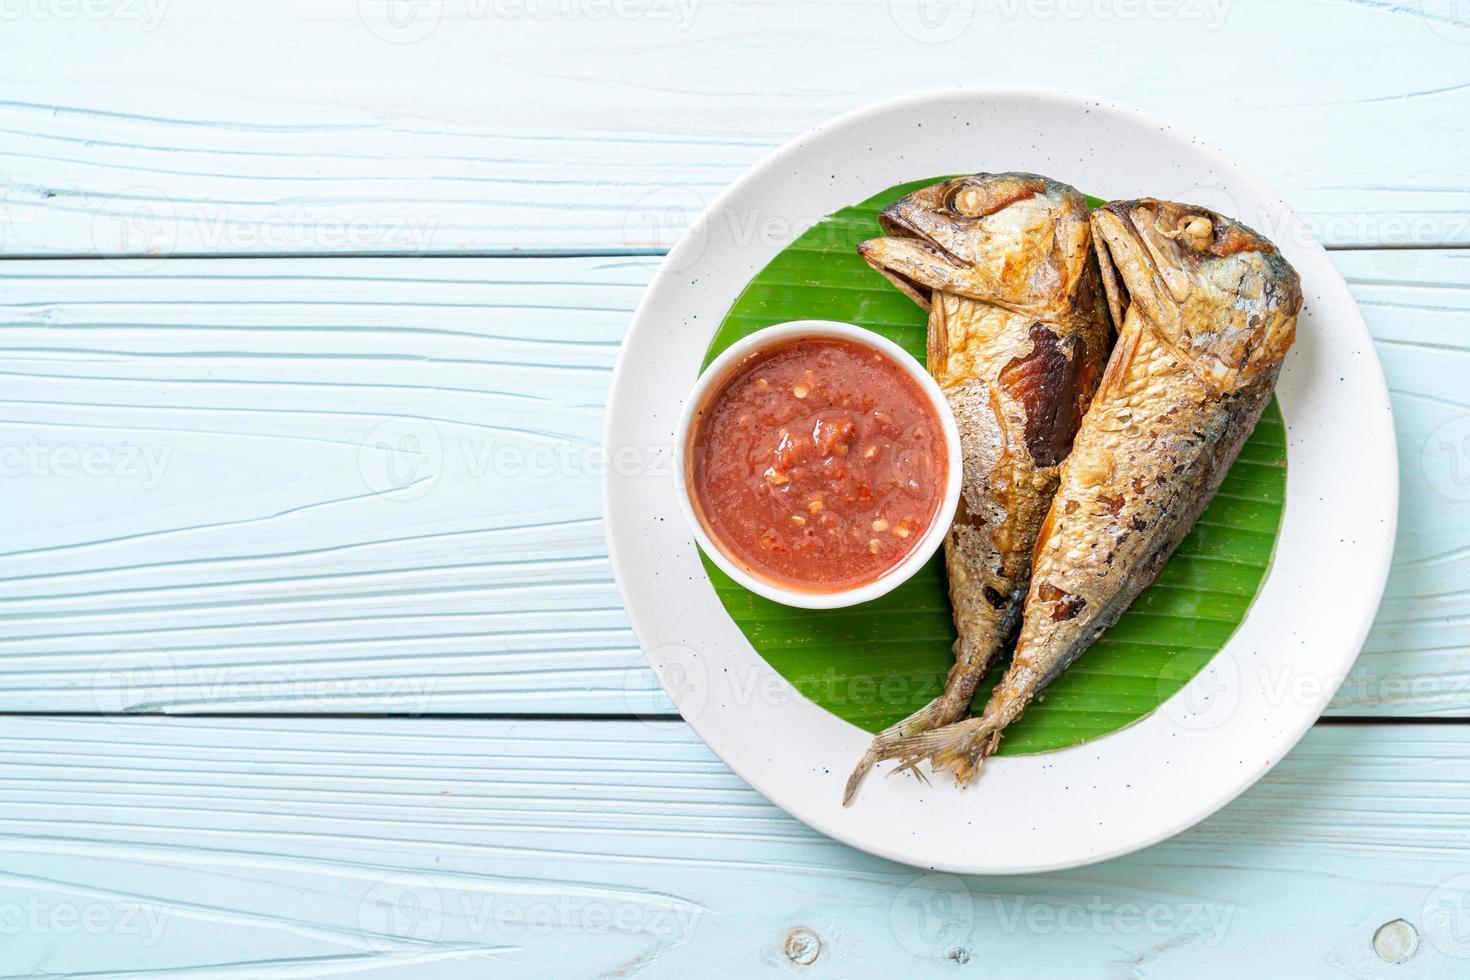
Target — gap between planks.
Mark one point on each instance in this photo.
(1325, 721)
(549, 253)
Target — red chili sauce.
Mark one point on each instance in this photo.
(817, 464)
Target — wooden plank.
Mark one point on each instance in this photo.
(358, 485)
(190, 127)
(240, 542)
(403, 849)
(1417, 305)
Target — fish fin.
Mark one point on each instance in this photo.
(973, 662)
(959, 749)
(859, 773)
(1120, 363)
(932, 715)
(1113, 288)
(936, 339)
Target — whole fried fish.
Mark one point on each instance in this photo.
(1208, 309)
(1018, 336)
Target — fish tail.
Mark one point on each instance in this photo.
(963, 758)
(935, 714)
(973, 662)
(959, 749)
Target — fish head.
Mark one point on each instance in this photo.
(1015, 240)
(1216, 291)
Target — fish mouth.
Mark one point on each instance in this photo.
(1115, 232)
(905, 247)
(896, 224)
(1130, 261)
(952, 238)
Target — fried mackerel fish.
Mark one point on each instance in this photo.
(1018, 336)
(1208, 309)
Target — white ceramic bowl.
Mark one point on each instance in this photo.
(783, 333)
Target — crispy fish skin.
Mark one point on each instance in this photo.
(1018, 337)
(1208, 310)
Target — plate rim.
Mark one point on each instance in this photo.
(1375, 576)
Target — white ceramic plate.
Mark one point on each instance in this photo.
(1106, 797)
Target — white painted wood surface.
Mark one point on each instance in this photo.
(194, 456)
(413, 126)
(234, 550)
(445, 849)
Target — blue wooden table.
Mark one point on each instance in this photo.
(262, 719)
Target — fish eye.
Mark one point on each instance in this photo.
(969, 201)
(1196, 230)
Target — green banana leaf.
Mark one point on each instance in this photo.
(875, 663)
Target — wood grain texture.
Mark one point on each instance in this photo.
(335, 486)
(445, 849)
(378, 490)
(414, 126)
(360, 485)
